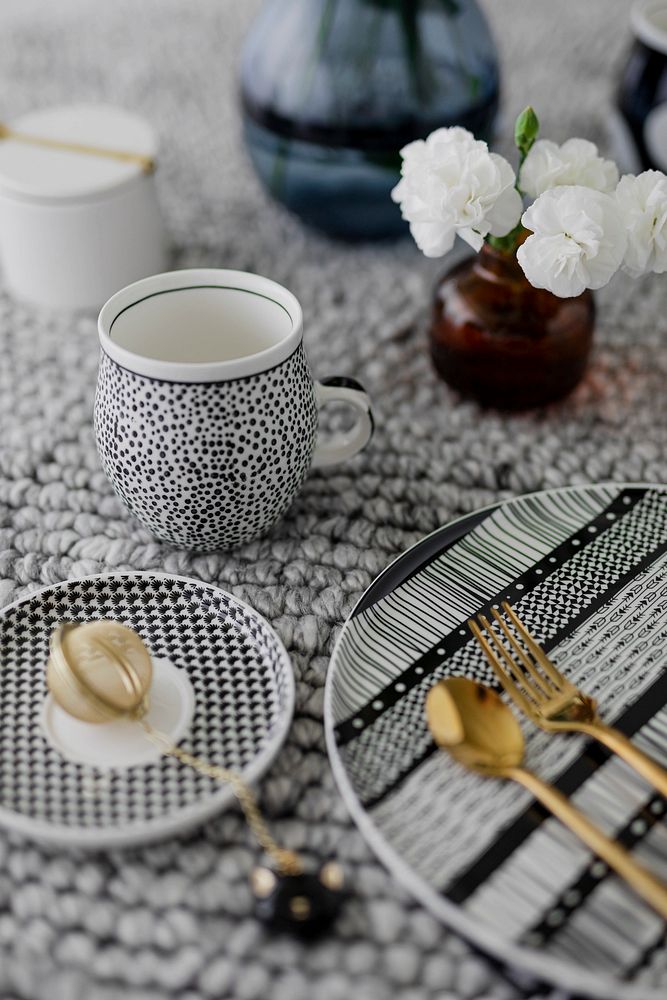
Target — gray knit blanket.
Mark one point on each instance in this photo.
(173, 920)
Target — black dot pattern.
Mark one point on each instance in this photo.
(207, 465)
(241, 677)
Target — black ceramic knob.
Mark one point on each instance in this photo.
(305, 904)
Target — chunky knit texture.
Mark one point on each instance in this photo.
(173, 920)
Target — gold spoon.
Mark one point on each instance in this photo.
(480, 732)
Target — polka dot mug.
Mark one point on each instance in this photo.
(206, 412)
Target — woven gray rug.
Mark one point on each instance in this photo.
(172, 920)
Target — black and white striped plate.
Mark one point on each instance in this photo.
(586, 569)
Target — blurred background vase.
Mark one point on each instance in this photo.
(333, 89)
(498, 339)
(640, 128)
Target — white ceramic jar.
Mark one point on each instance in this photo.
(74, 226)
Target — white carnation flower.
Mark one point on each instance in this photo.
(577, 161)
(578, 240)
(642, 201)
(452, 184)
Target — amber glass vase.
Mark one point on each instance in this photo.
(498, 339)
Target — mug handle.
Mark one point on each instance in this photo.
(348, 443)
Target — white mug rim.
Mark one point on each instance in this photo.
(197, 372)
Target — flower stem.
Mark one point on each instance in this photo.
(510, 243)
(408, 12)
(279, 172)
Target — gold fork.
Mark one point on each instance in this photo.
(547, 697)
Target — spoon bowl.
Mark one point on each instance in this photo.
(479, 731)
(474, 725)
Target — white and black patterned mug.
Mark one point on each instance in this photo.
(206, 412)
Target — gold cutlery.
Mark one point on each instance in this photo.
(480, 731)
(548, 698)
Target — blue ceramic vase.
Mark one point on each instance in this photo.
(641, 128)
(333, 89)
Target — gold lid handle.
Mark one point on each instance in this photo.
(144, 162)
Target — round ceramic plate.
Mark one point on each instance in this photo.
(231, 660)
(586, 569)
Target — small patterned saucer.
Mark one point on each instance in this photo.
(230, 659)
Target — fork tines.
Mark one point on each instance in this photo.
(522, 667)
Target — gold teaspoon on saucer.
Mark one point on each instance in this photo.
(479, 730)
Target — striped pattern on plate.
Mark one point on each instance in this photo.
(586, 569)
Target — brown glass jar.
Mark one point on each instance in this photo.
(496, 338)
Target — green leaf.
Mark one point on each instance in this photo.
(526, 131)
